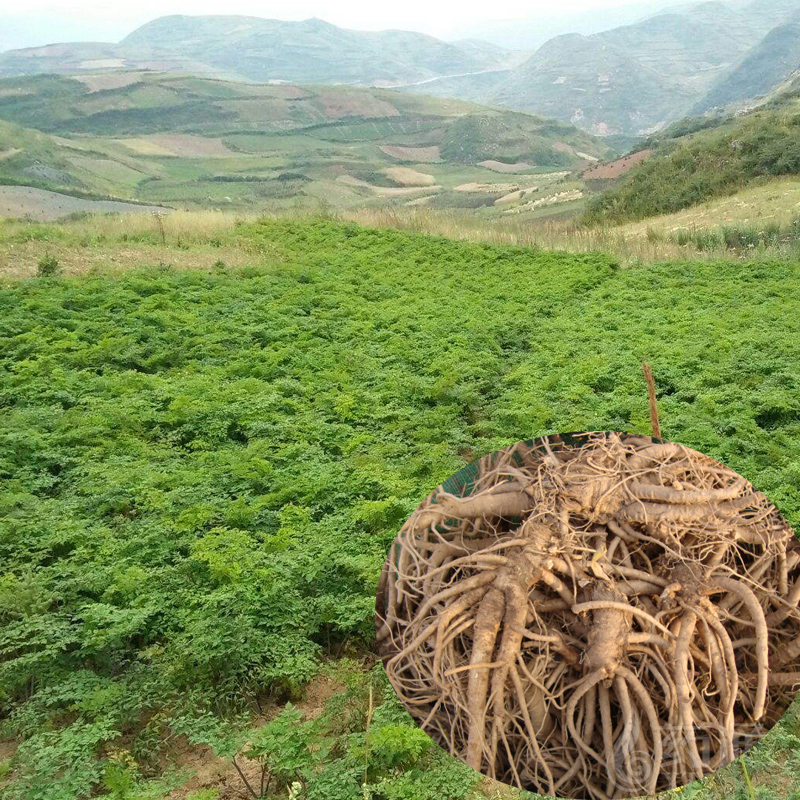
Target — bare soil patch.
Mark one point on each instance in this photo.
(186, 145)
(500, 166)
(21, 202)
(102, 63)
(391, 191)
(385, 191)
(514, 197)
(550, 200)
(337, 104)
(616, 169)
(316, 696)
(489, 188)
(112, 80)
(423, 154)
(410, 177)
(211, 772)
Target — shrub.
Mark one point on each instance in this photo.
(48, 266)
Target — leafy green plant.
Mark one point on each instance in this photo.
(282, 748)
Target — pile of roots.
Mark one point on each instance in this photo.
(603, 616)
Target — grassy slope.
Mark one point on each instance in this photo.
(701, 160)
(203, 470)
(282, 145)
(775, 203)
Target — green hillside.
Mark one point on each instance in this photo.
(698, 160)
(135, 103)
(203, 471)
(194, 142)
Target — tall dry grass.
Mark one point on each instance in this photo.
(198, 230)
(188, 226)
(631, 248)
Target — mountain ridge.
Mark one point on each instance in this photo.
(625, 82)
(634, 79)
(770, 62)
(257, 49)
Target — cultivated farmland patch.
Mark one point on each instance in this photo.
(20, 202)
(410, 177)
(424, 154)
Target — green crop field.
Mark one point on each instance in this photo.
(201, 470)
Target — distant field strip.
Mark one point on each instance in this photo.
(20, 202)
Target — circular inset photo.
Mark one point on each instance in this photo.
(593, 615)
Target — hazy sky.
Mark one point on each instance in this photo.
(94, 20)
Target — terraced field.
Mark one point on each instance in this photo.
(196, 143)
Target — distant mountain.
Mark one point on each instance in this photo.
(687, 44)
(625, 82)
(596, 86)
(251, 48)
(528, 33)
(629, 80)
(774, 59)
(637, 78)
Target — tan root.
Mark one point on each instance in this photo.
(598, 618)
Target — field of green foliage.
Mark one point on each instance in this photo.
(201, 472)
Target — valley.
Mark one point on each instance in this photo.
(171, 142)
